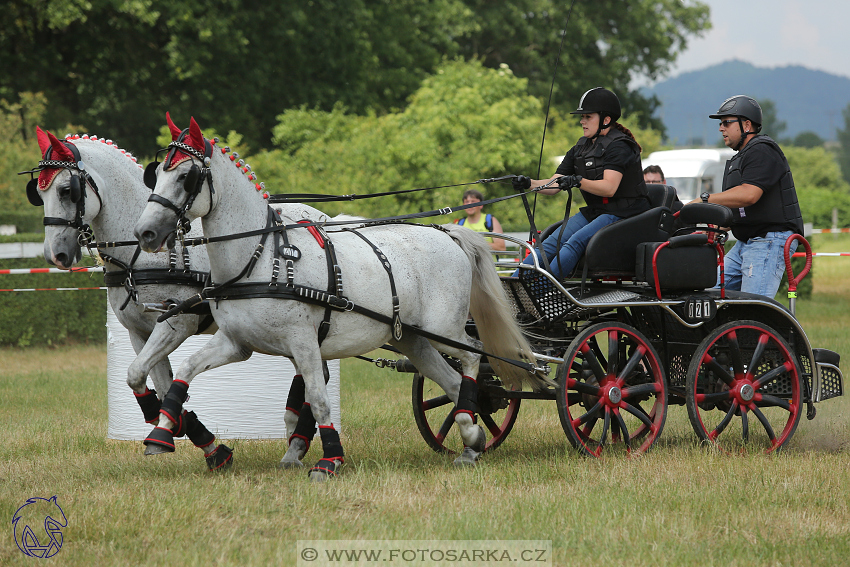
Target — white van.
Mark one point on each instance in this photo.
(692, 171)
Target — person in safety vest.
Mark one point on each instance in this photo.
(759, 188)
(605, 165)
(480, 222)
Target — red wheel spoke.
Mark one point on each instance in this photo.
(595, 365)
(588, 429)
(613, 353)
(641, 390)
(745, 425)
(584, 388)
(722, 373)
(630, 366)
(774, 401)
(735, 352)
(590, 414)
(638, 413)
(446, 426)
(715, 397)
(766, 424)
(492, 426)
(771, 375)
(606, 425)
(758, 352)
(622, 426)
(436, 402)
(726, 420)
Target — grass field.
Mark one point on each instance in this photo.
(679, 504)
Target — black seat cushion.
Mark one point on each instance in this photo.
(663, 196)
(690, 266)
(611, 251)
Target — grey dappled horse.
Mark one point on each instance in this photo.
(438, 275)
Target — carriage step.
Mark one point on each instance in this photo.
(831, 380)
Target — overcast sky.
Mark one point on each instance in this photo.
(774, 33)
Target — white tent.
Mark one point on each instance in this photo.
(244, 400)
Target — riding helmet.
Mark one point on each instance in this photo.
(741, 106)
(599, 100)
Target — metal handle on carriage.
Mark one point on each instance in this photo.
(792, 280)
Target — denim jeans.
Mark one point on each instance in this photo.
(573, 243)
(756, 266)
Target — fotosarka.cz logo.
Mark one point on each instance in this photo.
(37, 526)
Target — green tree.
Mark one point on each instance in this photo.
(606, 43)
(820, 186)
(808, 139)
(19, 151)
(771, 125)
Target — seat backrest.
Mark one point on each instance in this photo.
(663, 196)
(611, 251)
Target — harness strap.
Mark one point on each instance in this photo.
(396, 324)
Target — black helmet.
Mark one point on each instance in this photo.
(599, 100)
(741, 106)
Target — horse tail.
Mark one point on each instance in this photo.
(493, 316)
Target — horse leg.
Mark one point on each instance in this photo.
(300, 423)
(152, 359)
(462, 390)
(220, 350)
(310, 362)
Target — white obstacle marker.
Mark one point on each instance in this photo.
(244, 400)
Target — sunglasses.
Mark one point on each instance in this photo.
(726, 123)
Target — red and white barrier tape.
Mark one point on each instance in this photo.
(830, 230)
(54, 289)
(803, 254)
(13, 271)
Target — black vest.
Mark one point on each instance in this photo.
(631, 197)
(770, 213)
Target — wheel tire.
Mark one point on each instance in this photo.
(627, 392)
(432, 410)
(716, 396)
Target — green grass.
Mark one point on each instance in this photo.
(677, 505)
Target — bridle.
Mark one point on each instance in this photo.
(193, 184)
(77, 169)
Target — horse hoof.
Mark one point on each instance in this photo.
(480, 443)
(221, 459)
(324, 469)
(156, 450)
(290, 464)
(468, 458)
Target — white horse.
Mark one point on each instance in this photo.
(438, 275)
(107, 194)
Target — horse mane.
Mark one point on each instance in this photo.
(242, 166)
(104, 141)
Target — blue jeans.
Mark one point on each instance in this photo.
(574, 240)
(756, 266)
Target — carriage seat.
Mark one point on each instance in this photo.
(663, 196)
(611, 251)
(688, 260)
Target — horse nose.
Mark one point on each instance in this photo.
(147, 238)
(62, 260)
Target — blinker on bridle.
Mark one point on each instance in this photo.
(77, 195)
(195, 177)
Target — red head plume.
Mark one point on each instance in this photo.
(46, 140)
(175, 131)
(193, 138)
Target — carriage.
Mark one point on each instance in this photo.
(639, 328)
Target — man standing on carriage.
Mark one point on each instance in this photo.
(759, 189)
(605, 165)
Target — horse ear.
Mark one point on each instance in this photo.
(43, 140)
(196, 138)
(175, 131)
(60, 151)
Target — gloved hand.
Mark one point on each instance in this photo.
(567, 181)
(521, 183)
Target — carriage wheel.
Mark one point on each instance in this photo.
(432, 410)
(612, 393)
(744, 388)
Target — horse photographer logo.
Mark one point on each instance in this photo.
(37, 526)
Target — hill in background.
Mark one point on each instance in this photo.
(807, 100)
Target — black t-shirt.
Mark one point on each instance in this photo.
(621, 157)
(763, 167)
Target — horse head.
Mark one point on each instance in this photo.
(70, 197)
(182, 187)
